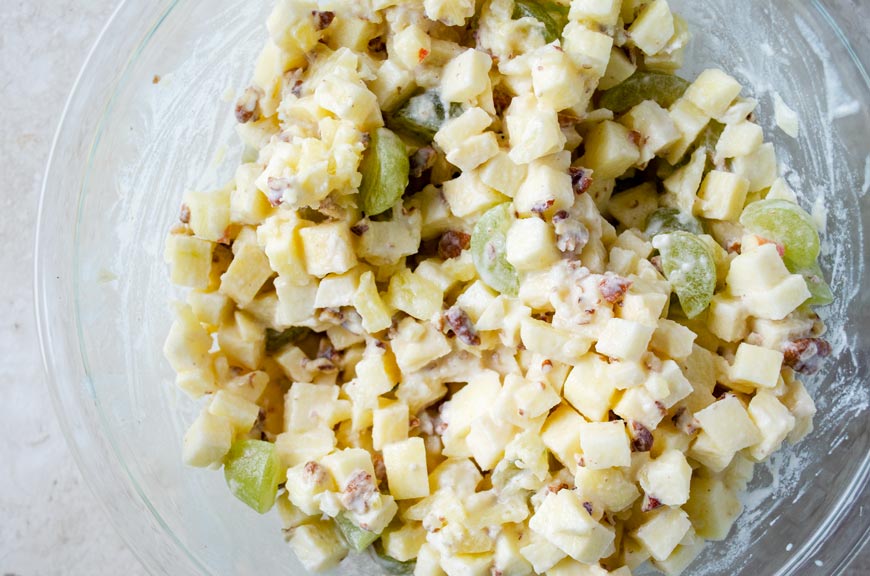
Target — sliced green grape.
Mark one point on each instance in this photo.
(821, 294)
(488, 250)
(663, 88)
(390, 565)
(689, 267)
(667, 220)
(787, 224)
(253, 471)
(384, 168)
(553, 16)
(423, 115)
(275, 339)
(356, 537)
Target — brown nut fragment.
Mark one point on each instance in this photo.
(641, 437)
(461, 325)
(571, 234)
(650, 503)
(248, 106)
(322, 18)
(452, 243)
(613, 288)
(184, 214)
(806, 355)
(581, 179)
(422, 160)
(313, 473)
(359, 492)
(277, 187)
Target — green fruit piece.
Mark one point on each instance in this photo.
(663, 88)
(252, 471)
(356, 537)
(390, 565)
(384, 168)
(553, 16)
(667, 220)
(275, 339)
(821, 294)
(423, 115)
(488, 250)
(689, 267)
(787, 224)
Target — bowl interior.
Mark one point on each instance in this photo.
(152, 117)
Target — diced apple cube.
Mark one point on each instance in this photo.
(713, 92)
(682, 556)
(739, 139)
(672, 339)
(393, 84)
(555, 80)
(755, 271)
(619, 69)
(760, 167)
(390, 424)
(639, 405)
(542, 337)
(712, 507)
(502, 174)
(405, 462)
(466, 76)
(540, 553)
(467, 195)
(328, 249)
(454, 132)
(190, 260)
(294, 448)
(610, 150)
(727, 428)
(487, 439)
(563, 520)
(188, 343)
(241, 413)
(588, 49)
(544, 189)
(722, 195)
(608, 489)
(727, 318)
(690, 121)
(605, 444)
(655, 125)
(317, 546)
(246, 274)
(531, 244)
(661, 534)
(428, 562)
(416, 345)
(404, 543)
(588, 390)
(774, 421)
(802, 407)
(667, 478)
(207, 440)
(604, 12)
(295, 303)
(644, 308)
(376, 315)
(778, 302)
(410, 46)
(633, 207)
(279, 237)
(624, 339)
(534, 130)
(414, 295)
(756, 366)
(653, 27)
(243, 341)
(209, 213)
(561, 435)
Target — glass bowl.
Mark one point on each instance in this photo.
(151, 116)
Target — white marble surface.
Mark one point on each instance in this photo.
(50, 523)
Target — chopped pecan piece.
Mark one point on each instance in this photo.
(641, 437)
(313, 473)
(613, 288)
(460, 324)
(650, 503)
(247, 107)
(571, 234)
(452, 243)
(805, 355)
(322, 18)
(422, 160)
(277, 187)
(359, 228)
(581, 179)
(184, 214)
(359, 492)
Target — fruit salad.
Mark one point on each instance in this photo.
(494, 290)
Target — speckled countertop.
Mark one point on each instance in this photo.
(50, 523)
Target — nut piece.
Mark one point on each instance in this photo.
(460, 324)
(247, 107)
(452, 243)
(805, 355)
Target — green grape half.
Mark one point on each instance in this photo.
(820, 292)
(356, 537)
(787, 224)
(690, 268)
(384, 168)
(553, 16)
(667, 220)
(663, 88)
(253, 471)
(488, 250)
(423, 115)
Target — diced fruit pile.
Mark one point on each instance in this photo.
(496, 292)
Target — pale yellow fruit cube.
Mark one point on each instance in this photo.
(756, 366)
(508, 559)
(561, 345)
(190, 260)
(690, 121)
(243, 341)
(619, 69)
(563, 520)
(318, 546)
(653, 27)
(624, 339)
(556, 81)
(802, 407)
(295, 448)
(207, 440)
(210, 308)
(587, 390)
(428, 562)
(722, 195)
(588, 49)
(209, 213)
(713, 91)
(246, 274)
(755, 271)
(608, 489)
(343, 465)
(540, 553)
(393, 84)
(295, 302)
(656, 126)
(404, 543)
(739, 139)
(279, 237)
(561, 435)
(501, 174)
(467, 195)
(605, 444)
(337, 290)
(667, 478)
(407, 475)
(610, 150)
(644, 308)
(712, 507)
(663, 532)
(410, 47)
(728, 428)
(413, 294)
(774, 421)
(544, 189)
(672, 339)
(531, 244)
(604, 12)
(376, 315)
(390, 424)
(328, 249)
(533, 130)
(415, 345)
(305, 482)
(241, 413)
(639, 405)
(760, 167)
(727, 318)
(778, 302)
(633, 207)
(466, 76)
(247, 204)
(188, 343)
